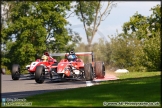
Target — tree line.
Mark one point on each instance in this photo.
(137, 48)
(30, 27)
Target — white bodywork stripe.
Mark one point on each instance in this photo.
(33, 64)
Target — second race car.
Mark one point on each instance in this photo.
(45, 61)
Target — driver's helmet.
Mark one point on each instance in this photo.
(71, 57)
(44, 58)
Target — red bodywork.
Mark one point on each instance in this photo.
(67, 67)
(71, 67)
(32, 67)
(64, 64)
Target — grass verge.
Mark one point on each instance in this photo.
(131, 87)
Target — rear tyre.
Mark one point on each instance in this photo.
(88, 72)
(15, 73)
(40, 74)
(99, 69)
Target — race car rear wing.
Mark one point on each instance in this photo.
(76, 53)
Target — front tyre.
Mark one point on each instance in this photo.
(40, 74)
(15, 73)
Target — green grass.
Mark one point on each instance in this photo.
(131, 87)
(137, 74)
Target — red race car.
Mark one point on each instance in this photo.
(71, 67)
(46, 61)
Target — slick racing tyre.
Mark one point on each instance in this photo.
(15, 72)
(88, 72)
(40, 74)
(99, 69)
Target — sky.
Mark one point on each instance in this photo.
(118, 16)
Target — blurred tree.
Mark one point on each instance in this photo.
(102, 51)
(126, 52)
(34, 26)
(147, 31)
(137, 48)
(91, 14)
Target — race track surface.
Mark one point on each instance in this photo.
(27, 87)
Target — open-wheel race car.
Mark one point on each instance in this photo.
(71, 67)
(46, 61)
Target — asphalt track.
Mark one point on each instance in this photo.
(26, 87)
